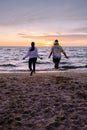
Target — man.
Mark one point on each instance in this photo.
(56, 51)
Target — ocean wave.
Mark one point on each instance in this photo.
(64, 63)
(74, 67)
(43, 62)
(38, 62)
(7, 65)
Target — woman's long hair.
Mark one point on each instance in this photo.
(32, 46)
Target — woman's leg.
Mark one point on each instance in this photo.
(30, 64)
(34, 64)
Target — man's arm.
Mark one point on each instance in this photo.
(64, 53)
(50, 54)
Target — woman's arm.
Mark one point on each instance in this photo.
(38, 54)
(27, 55)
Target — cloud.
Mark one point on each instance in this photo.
(52, 37)
(21, 34)
(80, 30)
(69, 39)
(10, 22)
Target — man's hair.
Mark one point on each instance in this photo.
(56, 42)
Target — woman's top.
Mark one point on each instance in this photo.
(56, 50)
(32, 54)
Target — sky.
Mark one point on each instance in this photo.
(43, 21)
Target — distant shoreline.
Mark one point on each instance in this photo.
(45, 46)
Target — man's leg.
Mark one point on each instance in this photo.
(56, 65)
(56, 62)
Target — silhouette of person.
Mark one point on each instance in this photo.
(33, 55)
(56, 51)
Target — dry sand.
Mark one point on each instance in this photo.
(44, 101)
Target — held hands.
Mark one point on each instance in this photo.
(23, 58)
(48, 56)
(41, 58)
(67, 57)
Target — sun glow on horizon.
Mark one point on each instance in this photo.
(47, 43)
(23, 39)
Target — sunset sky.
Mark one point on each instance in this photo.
(43, 21)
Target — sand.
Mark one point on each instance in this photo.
(44, 101)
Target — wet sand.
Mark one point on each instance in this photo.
(44, 101)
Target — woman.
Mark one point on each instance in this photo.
(56, 51)
(33, 55)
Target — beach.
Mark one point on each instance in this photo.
(44, 101)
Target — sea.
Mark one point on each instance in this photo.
(11, 59)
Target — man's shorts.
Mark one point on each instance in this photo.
(56, 60)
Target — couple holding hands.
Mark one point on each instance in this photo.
(32, 53)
